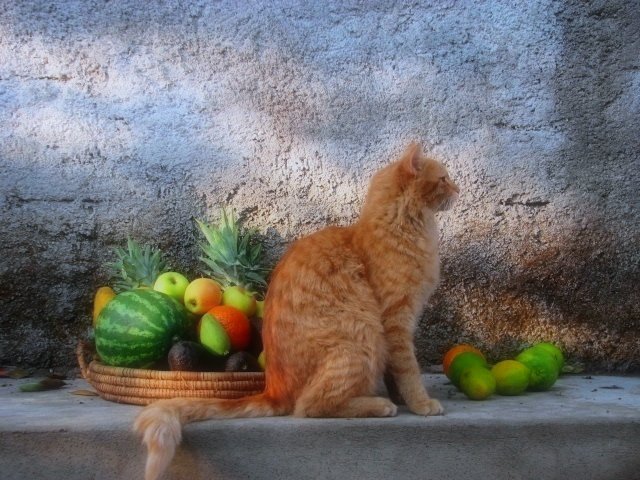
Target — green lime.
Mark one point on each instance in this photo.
(512, 377)
(543, 366)
(463, 361)
(554, 351)
(477, 383)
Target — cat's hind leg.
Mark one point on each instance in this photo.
(342, 387)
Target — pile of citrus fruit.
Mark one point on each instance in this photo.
(535, 369)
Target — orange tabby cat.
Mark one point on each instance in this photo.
(341, 308)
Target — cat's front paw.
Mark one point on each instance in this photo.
(427, 408)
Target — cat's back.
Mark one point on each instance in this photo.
(319, 276)
(319, 255)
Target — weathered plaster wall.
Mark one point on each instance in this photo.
(128, 117)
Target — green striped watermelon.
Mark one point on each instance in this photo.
(138, 327)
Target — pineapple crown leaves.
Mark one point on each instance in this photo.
(137, 266)
(233, 255)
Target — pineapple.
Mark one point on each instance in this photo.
(234, 256)
(136, 267)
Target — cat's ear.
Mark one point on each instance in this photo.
(412, 159)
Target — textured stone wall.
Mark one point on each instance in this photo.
(132, 117)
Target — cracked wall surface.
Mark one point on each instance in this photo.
(124, 118)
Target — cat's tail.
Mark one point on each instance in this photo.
(160, 424)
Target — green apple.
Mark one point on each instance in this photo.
(213, 336)
(173, 284)
(238, 297)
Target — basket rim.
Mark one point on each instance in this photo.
(98, 367)
(140, 386)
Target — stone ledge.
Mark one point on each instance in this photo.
(585, 427)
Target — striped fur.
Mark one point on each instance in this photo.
(341, 309)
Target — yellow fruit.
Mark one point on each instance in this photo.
(103, 296)
(543, 366)
(462, 362)
(262, 360)
(477, 383)
(512, 377)
(259, 309)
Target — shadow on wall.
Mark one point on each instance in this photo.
(579, 287)
(565, 291)
(57, 254)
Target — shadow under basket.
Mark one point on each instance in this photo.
(138, 386)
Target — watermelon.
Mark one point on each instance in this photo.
(138, 327)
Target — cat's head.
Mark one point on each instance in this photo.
(424, 181)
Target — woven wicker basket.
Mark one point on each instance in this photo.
(141, 387)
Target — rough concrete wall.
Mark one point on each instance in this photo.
(125, 118)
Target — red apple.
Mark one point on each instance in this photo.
(202, 295)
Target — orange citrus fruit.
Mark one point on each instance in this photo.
(462, 362)
(455, 351)
(235, 323)
(477, 383)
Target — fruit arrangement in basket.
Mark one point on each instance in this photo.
(158, 319)
(535, 369)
